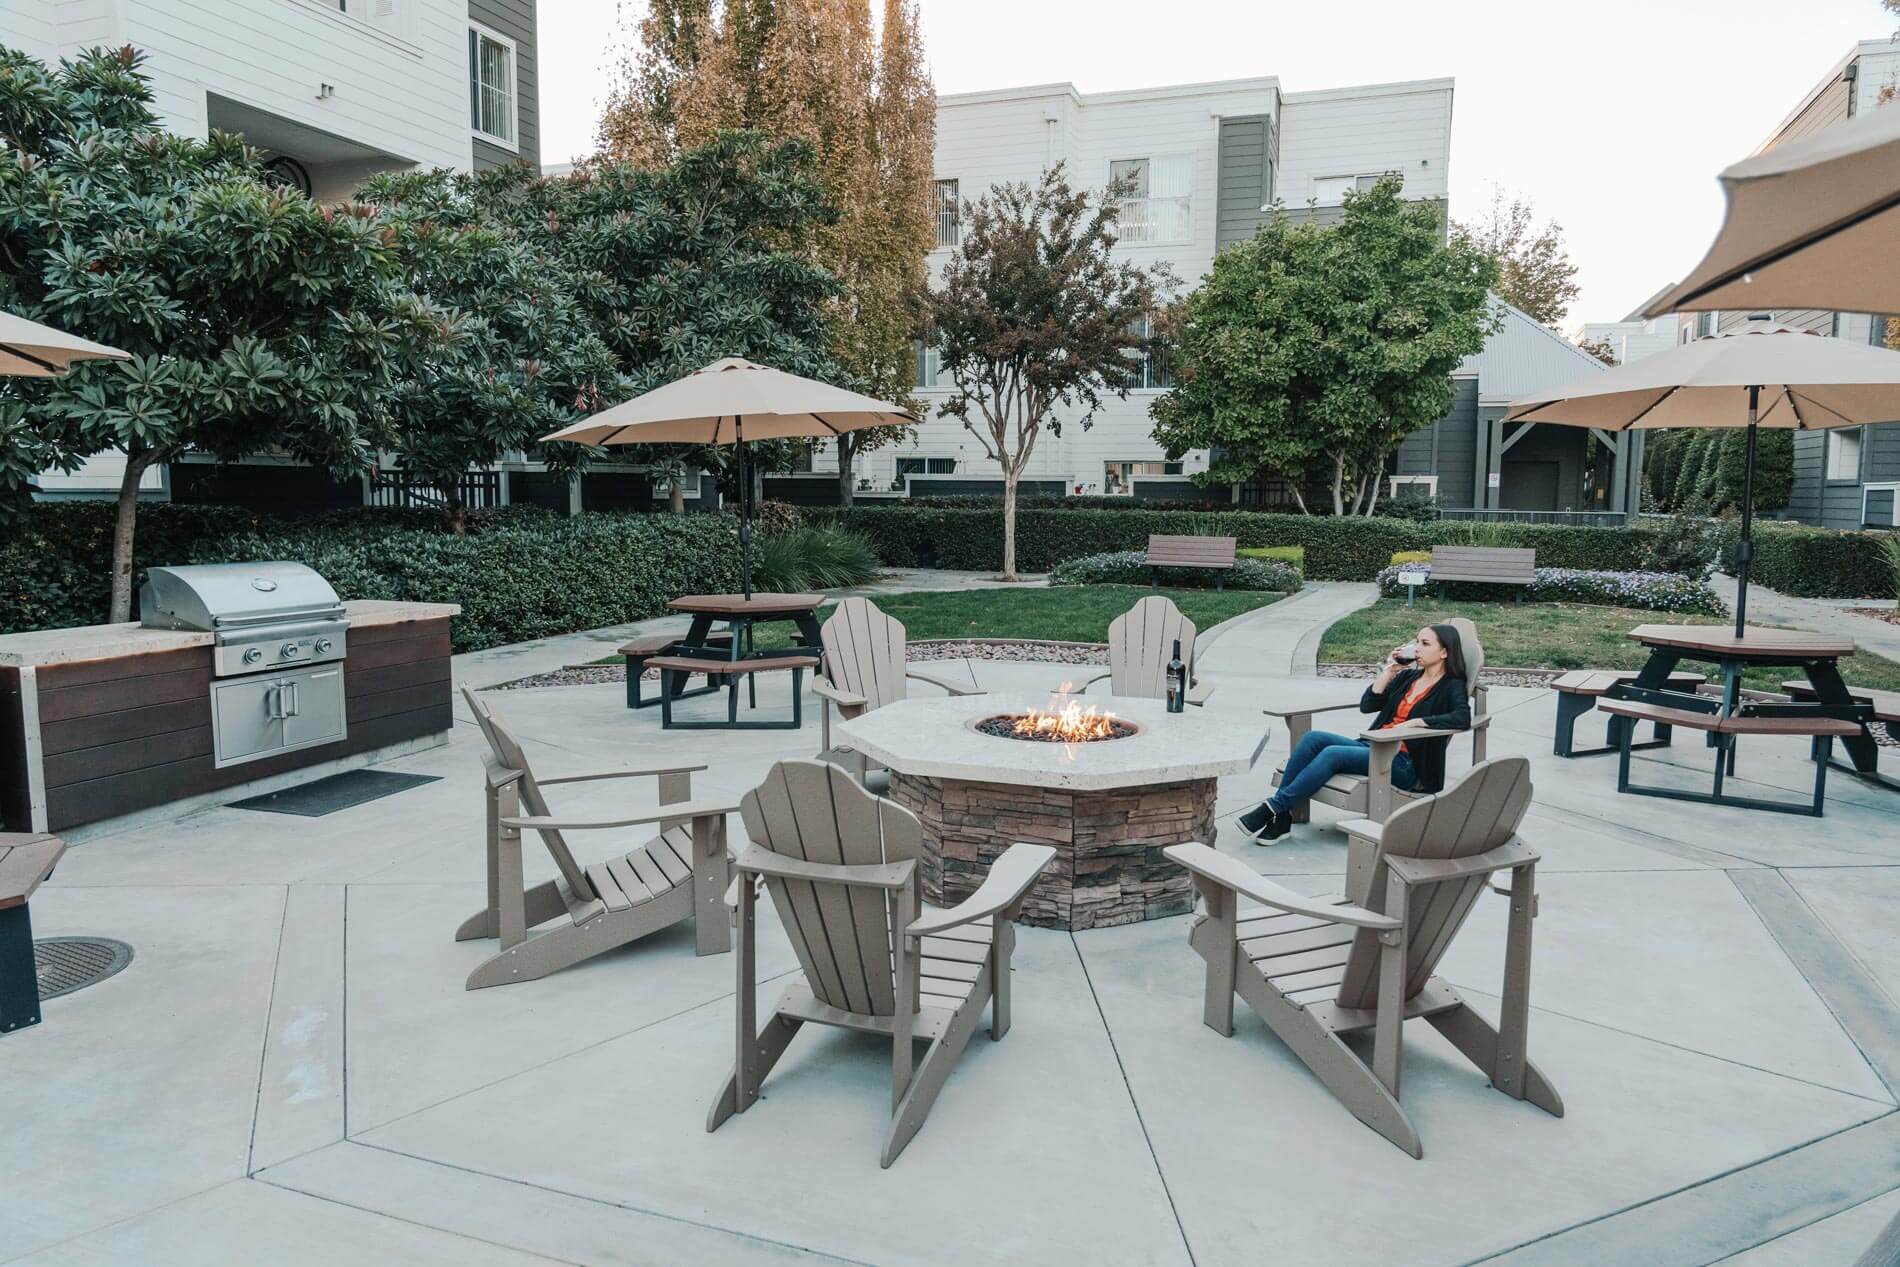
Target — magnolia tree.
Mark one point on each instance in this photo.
(1036, 319)
(1311, 351)
(255, 318)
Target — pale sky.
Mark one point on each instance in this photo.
(1613, 122)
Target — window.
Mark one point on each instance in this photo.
(1416, 485)
(491, 86)
(949, 227)
(925, 466)
(1151, 371)
(1330, 191)
(1118, 478)
(392, 17)
(1843, 454)
(1157, 202)
(929, 362)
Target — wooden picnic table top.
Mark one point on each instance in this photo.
(26, 858)
(740, 605)
(1720, 640)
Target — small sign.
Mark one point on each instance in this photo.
(1414, 577)
(1494, 479)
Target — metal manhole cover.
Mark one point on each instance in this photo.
(65, 964)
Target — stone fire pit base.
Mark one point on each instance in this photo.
(1108, 867)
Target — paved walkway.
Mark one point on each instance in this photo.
(290, 1071)
(1829, 616)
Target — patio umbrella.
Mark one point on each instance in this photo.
(733, 401)
(31, 350)
(1763, 376)
(1811, 224)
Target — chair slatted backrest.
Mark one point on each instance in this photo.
(1196, 552)
(813, 811)
(507, 754)
(1140, 643)
(1478, 812)
(1473, 654)
(864, 652)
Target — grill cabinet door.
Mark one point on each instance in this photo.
(245, 719)
(314, 706)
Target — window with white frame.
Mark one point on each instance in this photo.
(391, 17)
(949, 214)
(1843, 454)
(1151, 371)
(1157, 198)
(492, 102)
(1330, 191)
(1415, 485)
(1118, 478)
(929, 358)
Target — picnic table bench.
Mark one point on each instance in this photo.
(1885, 706)
(1723, 729)
(1578, 692)
(1215, 554)
(26, 859)
(1487, 565)
(639, 650)
(675, 668)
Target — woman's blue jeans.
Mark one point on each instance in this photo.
(1318, 756)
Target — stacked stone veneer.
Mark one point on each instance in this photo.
(1108, 867)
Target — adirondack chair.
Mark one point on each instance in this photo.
(1371, 795)
(1318, 968)
(842, 868)
(1140, 643)
(864, 669)
(679, 874)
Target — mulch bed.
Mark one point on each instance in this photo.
(1007, 649)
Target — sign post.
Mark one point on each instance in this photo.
(1411, 579)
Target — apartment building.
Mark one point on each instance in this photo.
(332, 91)
(1635, 337)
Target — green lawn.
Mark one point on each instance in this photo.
(1552, 636)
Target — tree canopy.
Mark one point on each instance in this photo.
(1311, 351)
(1535, 274)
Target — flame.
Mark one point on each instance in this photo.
(1071, 723)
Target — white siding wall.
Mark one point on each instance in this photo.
(30, 26)
(1633, 340)
(987, 138)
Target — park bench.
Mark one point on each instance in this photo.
(1216, 554)
(1485, 565)
(639, 650)
(25, 862)
(675, 668)
(1724, 731)
(1578, 692)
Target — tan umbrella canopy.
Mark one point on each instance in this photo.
(1811, 224)
(1763, 376)
(734, 401)
(31, 350)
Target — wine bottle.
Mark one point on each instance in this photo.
(1177, 680)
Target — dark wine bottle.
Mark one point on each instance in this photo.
(1177, 680)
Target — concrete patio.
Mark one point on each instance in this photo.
(290, 1071)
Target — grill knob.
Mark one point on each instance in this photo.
(323, 645)
(253, 655)
(288, 651)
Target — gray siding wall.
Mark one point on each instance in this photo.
(1246, 178)
(1447, 448)
(514, 19)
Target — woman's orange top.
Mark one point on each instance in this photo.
(1413, 696)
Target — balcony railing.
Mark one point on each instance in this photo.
(1575, 518)
(1155, 220)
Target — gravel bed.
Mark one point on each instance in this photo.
(1890, 615)
(1014, 649)
(1490, 676)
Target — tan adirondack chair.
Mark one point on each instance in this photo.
(1318, 968)
(681, 873)
(1371, 795)
(842, 868)
(1140, 644)
(864, 669)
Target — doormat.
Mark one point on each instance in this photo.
(334, 792)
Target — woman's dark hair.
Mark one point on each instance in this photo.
(1454, 645)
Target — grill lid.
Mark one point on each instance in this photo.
(212, 596)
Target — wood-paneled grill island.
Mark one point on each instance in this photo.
(1108, 807)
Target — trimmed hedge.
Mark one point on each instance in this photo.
(1652, 591)
(1819, 563)
(1130, 567)
(1293, 556)
(519, 575)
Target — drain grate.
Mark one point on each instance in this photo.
(65, 964)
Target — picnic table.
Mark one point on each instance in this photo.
(734, 657)
(26, 859)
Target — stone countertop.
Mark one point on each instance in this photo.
(106, 642)
(933, 738)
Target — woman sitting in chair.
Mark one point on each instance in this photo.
(1422, 686)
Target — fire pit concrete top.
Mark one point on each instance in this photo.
(933, 739)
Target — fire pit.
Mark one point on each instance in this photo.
(1109, 787)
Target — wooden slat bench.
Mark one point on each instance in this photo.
(675, 668)
(642, 649)
(25, 862)
(1886, 711)
(1725, 730)
(1578, 692)
(1485, 565)
(1213, 553)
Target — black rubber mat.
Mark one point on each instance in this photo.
(334, 792)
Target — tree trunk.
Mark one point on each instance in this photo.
(1009, 524)
(1372, 498)
(676, 494)
(122, 531)
(454, 509)
(847, 479)
(1339, 479)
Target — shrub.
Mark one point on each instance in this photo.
(1890, 549)
(1652, 591)
(1129, 567)
(772, 518)
(1294, 556)
(812, 558)
(1402, 557)
(1818, 563)
(1686, 544)
(1419, 508)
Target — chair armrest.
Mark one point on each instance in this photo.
(1311, 710)
(1009, 878)
(588, 776)
(1364, 828)
(1403, 733)
(951, 687)
(1198, 692)
(847, 699)
(883, 875)
(1512, 853)
(664, 814)
(1242, 879)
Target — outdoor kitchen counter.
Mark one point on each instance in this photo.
(106, 720)
(105, 642)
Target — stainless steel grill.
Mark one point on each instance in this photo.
(279, 636)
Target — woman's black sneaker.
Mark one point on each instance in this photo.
(1257, 820)
(1279, 825)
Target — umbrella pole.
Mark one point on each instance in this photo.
(745, 511)
(1745, 552)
